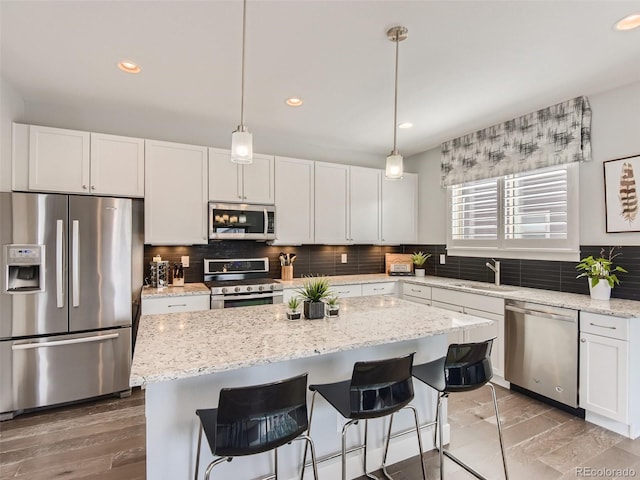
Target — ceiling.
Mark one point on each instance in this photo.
(465, 65)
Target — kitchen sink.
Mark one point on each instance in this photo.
(487, 288)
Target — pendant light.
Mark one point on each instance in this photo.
(242, 139)
(393, 170)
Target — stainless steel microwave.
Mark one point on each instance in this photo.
(242, 221)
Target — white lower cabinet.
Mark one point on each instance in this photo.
(175, 304)
(344, 291)
(604, 366)
(491, 308)
(381, 288)
(416, 292)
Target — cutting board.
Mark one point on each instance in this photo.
(390, 258)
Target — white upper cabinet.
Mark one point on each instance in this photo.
(58, 160)
(231, 182)
(70, 161)
(117, 165)
(364, 205)
(400, 209)
(176, 194)
(294, 201)
(331, 197)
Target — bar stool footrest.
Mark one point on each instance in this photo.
(463, 465)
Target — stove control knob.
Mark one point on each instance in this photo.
(237, 289)
(260, 288)
(224, 289)
(249, 289)
(272, 287)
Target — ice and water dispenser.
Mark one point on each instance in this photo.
(24, 268)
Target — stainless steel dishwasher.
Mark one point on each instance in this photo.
(541, 354)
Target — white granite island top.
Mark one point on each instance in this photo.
(183, 345)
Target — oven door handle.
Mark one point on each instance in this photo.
(242, 296)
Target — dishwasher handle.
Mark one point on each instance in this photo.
(540, 313)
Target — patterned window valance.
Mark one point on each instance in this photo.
(552, 136)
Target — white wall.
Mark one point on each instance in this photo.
(615, 133)
(11, 108)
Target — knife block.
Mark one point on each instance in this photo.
(286, 272)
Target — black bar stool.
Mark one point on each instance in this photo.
(256, 419)
(466, 367)
(377, 389)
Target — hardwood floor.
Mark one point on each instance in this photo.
(105, 439)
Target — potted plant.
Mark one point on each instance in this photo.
(293, 304)
(601, 273)
(313, 291)
(419, 259)
(333, 308)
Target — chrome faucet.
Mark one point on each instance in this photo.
(496, 270)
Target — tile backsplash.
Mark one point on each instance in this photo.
(326, 260)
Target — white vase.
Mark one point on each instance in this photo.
(602, 290)
(419, 272)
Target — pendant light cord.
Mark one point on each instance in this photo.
(244, 36)
(395, 98)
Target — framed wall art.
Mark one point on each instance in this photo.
(621, 181)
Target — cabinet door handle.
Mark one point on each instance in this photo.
(93, 187)
(84, 187)
(415, 290)
(378, 289)
(601, 326)
(583, 340)
(177, 305)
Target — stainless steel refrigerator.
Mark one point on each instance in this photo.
(71, 273)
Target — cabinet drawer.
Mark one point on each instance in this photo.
(470, 300)
(343, 291)
(447, 306)
(604, 325)
(416, 290)
(176, 304)
(383, 288)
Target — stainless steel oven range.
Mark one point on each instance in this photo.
(240, 282)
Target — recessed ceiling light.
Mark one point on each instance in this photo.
(405, 125)
(293, 101)
(129, 67)
(628, 23)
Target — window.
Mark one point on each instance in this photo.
(532, 214)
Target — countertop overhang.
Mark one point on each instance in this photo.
(183, 345)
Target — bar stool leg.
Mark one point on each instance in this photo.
(344, 446)
(217, 461)
(440, 436)
(275, 462)
(309, 443)
(495, 407)
(198, 452)
(304, 456)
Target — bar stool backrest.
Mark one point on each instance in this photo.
(468, 366)
(380, 387)
(259, 418)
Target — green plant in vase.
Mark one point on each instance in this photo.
(333, 307)
(314, 290)
(601, 273)
(419, 259)
(293, 304)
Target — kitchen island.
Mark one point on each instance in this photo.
(184, 359)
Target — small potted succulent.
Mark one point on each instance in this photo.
(419, 259)
(601, 273)
(333, 308)
(294, 304)
(314, 291)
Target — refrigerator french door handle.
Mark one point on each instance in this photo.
(59, 263)
(75, 261)
(31, 346)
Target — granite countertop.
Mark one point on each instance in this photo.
(575, 301)
(188, 289)
(183, 345)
